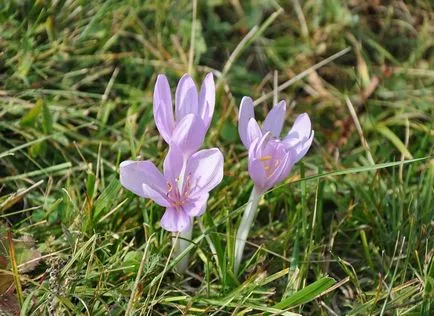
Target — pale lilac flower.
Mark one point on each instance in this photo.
(271, 158)
(182, 188)
(187, 125)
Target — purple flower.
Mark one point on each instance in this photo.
(193, 112)
(271, 158)
(182, 189)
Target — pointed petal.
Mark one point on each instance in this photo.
(287, 167)
(274, 121)
(258, 145)
(245, 114)
(291, 141)
(189, 134)
(185, 98)
(175, 220)
(197, 206)
(173, 163)
(162, 108)
(257, 174)
(145, 180)
(253, 131)
(205, 171)
(303, 148)
(281, 172)
(207, 99)
(302, 127)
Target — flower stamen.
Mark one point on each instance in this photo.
(266, 158)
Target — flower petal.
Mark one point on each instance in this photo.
(257, 174)
(258, 145)
(162, 108)
(196, 207)
(207, 99)
(246, 113)
(189, 134)
(302, 127)
(281, 172)
(303, 148)
(274, 121)
(205, 169)
(287, 166)
(145, 180)
(173, 163)
(175, 220)
(185, 98)
(253, 131)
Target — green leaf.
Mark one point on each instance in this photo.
(90, 184)
(229, 132)
(306, 294)
(428, 295)
(107, 197)
(47, 120)
(386, 132)
(30, 117)
(131, 261)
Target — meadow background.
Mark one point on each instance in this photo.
(349, 233)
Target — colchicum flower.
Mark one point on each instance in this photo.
(182, 188)
(271, 158)
(193, 112)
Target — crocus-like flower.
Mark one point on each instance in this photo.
(193, 112)
(271, 158)
(182, 188)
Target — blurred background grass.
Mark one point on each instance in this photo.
(76, 83)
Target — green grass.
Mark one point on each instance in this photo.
(349, 233)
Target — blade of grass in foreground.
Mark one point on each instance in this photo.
(355, 170)
(307, 294)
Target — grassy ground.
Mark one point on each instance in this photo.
(347, 233)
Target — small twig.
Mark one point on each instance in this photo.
(16, 197)
(112, 211)
(110, 85)
(235, 54)
(301, 18)
(164, 271)
(359, 130)
(255, 31)
(275, 86)
(303, 74)
(139, 275)
(13, 262)
(192, 39)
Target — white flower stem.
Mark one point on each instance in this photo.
(243, 229)
(181, 243)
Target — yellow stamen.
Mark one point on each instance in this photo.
(265, 158)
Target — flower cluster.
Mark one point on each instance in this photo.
(188, 174)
